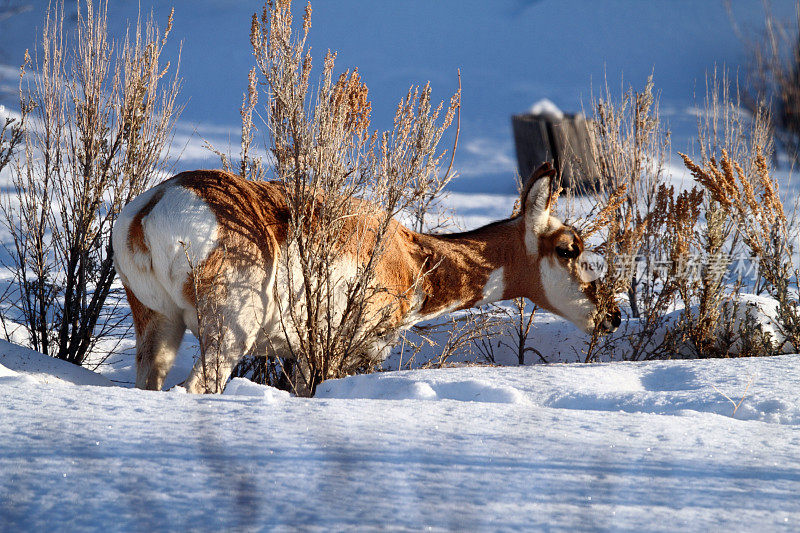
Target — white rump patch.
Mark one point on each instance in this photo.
(125, 259)
(180, 223)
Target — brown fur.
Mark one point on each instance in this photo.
(156, 337)
(461, 263)
(457, 266)
(136, 232)
(142, 315)
(253, 218)
(252, 224)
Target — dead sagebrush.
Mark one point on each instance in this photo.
(746, 206)
(752, 198)
(774, 75)
(208, 291)
(629, 148)
(682, 243)
(99, 121)
(335, 321)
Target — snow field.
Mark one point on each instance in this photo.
(628, 446)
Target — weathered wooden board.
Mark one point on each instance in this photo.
(564, 141)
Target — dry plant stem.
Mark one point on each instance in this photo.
(738, 404)
(446, 179)
(323, 148)
(11, 136)
(249, 166)
(100, 122)
(429, 188)
(520, 326)
(775, 78)
(629, 148)
(466, 338)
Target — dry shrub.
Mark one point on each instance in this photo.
(684, 242)
(742, 207)
(346, 183)
(775, 78)
(668, 248)
(428, 187)
(211, 327)
(518, 327)
(748, 193)
(706, 317)
(630, 149)
(98, 126)
(466, 337)
(11, 136)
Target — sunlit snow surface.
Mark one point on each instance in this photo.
(630, 446)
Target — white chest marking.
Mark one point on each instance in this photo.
(494, 288)
(566, 295)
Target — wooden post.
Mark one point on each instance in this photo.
(564, 141)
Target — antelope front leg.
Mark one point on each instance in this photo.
(221, 347)
(229, 321)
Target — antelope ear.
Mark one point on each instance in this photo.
(536, 196)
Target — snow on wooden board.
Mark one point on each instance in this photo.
(639, 446)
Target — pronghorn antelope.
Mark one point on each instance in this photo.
(209, 220)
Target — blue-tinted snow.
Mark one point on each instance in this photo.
(626, 446)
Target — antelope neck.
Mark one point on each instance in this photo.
(472, 268)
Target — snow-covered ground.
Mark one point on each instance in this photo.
(624, 446)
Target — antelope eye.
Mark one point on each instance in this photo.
(567, 253)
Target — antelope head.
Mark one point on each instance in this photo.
(555, 258)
